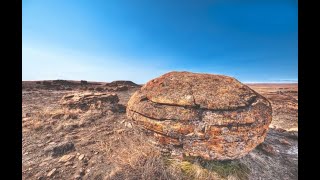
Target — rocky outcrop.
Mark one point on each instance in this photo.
(84, 101)
(83, 82)
(212, 116)
(63, 82)
(99, 89)
(122, 83)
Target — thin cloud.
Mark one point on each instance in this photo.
(42, 64)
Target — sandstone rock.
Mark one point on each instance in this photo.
(84, 101)
(212, 116)
(51, 172)
(66, 158)
(127, 124)
(81, 157)
(68, 163)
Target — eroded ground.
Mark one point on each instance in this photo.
(284, 100)
(102, 144)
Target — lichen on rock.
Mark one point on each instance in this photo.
(212, 116)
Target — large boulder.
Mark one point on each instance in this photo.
(212, 116)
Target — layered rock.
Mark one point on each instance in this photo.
(212, 116)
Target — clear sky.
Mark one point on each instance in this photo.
(106, 40)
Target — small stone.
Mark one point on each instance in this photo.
(284, 142)
(43, 164)
(48, 158)
(81, 172)
(85, 161)
(96, 152)
(51, 172)
(120, 131)
(68, 163)
(267, 148)
(78, 154)
(109, 133)
(77, 177)
(81, 157)
(129, 125)
(293, 129)
(40, 178)
(66, 158)
(281, 130)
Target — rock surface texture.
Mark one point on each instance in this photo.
(212, 116)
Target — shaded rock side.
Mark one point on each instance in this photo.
(212, 116)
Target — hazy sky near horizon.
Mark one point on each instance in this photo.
(101, 40)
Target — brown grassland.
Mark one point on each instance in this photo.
(60, 143)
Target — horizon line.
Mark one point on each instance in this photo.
(244, 82)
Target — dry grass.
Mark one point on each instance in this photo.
(42, 117)
(134, 157)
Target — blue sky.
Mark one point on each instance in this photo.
(106, 40)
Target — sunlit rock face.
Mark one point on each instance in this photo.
(212, 116)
